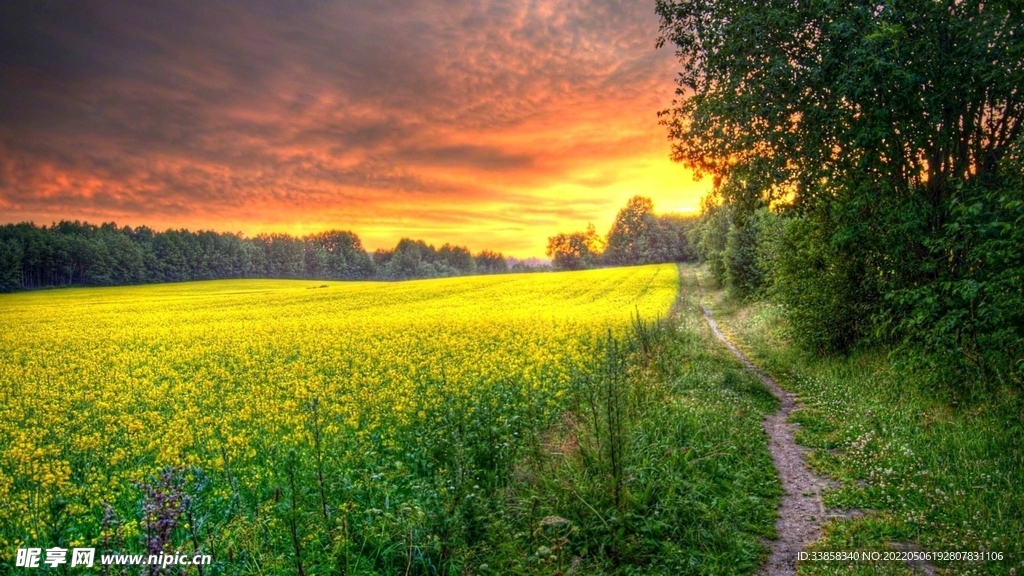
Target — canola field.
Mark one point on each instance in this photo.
(290, 426)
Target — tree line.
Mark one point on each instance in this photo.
(83, 254)
(638, 236)
(869, 171)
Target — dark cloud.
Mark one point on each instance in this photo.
(190, 111)
(482, 157)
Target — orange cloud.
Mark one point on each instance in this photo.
(492, 125)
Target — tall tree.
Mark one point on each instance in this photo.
(574, 251)
(634, 226)
(890, 129)
(825, 98)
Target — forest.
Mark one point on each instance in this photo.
(83, 254)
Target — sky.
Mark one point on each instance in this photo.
(489, 124)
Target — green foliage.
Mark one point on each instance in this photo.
(575, 251)
(639, 236)
(629, 237)
(972, 313)
(922, 464)
(771, 229)
(734, 247)
(10, 265)
(743, 254)
(489, 262)
(336, 255)
(285, 255)
(710, 237)
(671, 242)
(742, 273)
(820, 288)
(970, 307)
(797, 263)
(457, 258)
(810, 99)
(77, 253)
(888, 138)
(527, 266)
(417, 259)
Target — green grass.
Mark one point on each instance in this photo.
(928, 467)
(691, 488)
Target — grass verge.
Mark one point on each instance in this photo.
(659, 466)
(931, 471)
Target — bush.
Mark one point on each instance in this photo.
(970, 317)
(710, 237)
(820, 286)
(745, 265)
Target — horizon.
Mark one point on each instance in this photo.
(368, 249)
(493, 126)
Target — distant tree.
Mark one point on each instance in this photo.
(381, 257)
(639, 236)
(168, 251)
(457, 258)
(488, 262)
(632, 231)
(236, 259)
(149, 267)
(411, 259)
(285, 255)
(574, 251)
(672, 238)
(256, 258)
(523, 267)
(11, 254)
(77, 253)
(336, 255)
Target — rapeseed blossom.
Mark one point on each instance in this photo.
(102, 388)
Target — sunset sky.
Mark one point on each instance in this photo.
(488, 124)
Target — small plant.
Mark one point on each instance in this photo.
(601, 399)
(163, 511)
(110, 541)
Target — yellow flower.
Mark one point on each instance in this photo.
(109, 385)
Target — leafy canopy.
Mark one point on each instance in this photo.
(812, 97)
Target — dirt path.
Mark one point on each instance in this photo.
(801, 513)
